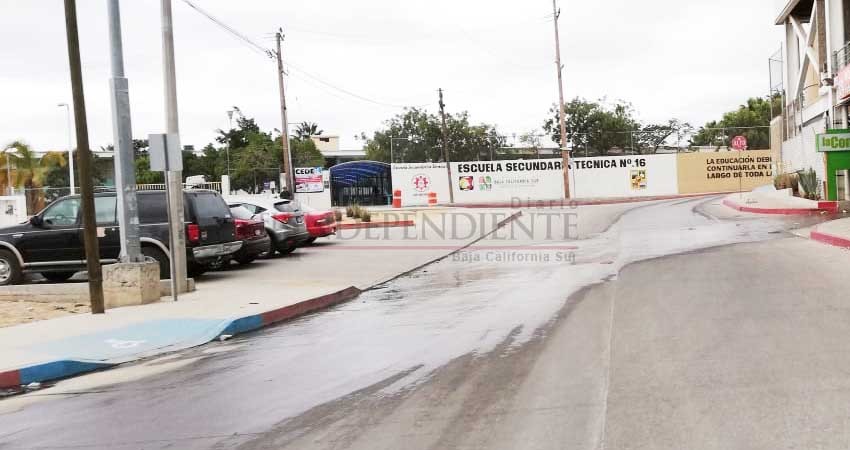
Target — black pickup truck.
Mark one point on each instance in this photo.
(51, 242)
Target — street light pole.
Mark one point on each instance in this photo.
(125, 174)
(229, 143)
(70, 146)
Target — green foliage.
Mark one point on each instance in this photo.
(31, 171)
(415, 136)
(365, 215)
(305, 153)
(337, 215)
(755, 113)
(306, 129)
(597, 127)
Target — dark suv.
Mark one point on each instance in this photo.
(51, 242)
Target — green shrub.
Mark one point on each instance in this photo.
(337, 215)
(349, 211)
(366, 215)
(810, 184)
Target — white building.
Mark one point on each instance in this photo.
(817, 89)
(329, 146)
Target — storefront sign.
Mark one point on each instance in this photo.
(833, 142)
(308, 180)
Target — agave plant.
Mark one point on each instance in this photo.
(810, 184)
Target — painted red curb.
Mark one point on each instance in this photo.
(394, 223)
(314, 304)
(10, 379)
(830, 239)
(777, 211)
(561, 203)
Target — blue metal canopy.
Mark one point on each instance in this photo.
(350, 173)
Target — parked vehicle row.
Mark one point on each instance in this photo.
(51, 242)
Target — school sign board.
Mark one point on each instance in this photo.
(602, 177)
(534, 179)
(417, 180)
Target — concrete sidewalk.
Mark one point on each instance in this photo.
(770, 201)
(835, 233)
(240, 299)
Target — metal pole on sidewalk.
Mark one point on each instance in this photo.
(86, 188)
(174, 179)
(125, 173)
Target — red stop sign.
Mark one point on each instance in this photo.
(739, 142)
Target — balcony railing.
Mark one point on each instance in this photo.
(841, 57)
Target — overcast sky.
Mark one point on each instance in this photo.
(495, 58)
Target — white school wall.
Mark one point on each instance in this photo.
(417, 180)
(612, 176)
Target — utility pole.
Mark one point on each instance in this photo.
(174, 179)
(446, 147)
(565, 156)
(70, 148)
(289, 176)
(86, 188)
(122, 132)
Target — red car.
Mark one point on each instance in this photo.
(320, 223)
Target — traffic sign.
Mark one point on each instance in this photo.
(739, 143)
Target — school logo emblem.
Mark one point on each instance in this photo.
(421, 182)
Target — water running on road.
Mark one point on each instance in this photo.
(394, 337)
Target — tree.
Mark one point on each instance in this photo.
(598, 127)
(306, 129)
(305, 153)
(653, 136)
(415, 136)
(31, 171)
(751, 120)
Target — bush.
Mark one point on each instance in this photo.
(337, 215)
(810, 184)
(349, 211)
(366, 215)
(357, 211)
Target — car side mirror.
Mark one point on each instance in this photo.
(36, 221)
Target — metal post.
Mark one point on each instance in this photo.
(446, 147)
(86, 189)
(125, 173)
(565, 155)
(70, 147)
(174, 179)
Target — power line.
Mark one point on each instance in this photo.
(232, 31)
(259, 48)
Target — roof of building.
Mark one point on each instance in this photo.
(799, 8)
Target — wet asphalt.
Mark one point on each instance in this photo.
(509, 344)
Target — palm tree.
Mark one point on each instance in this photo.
(31, 170)
(307, 129)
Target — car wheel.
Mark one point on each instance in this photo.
(246, 259)
(161, 258)
(196, 270)
(57, 277)
(285, 248)
(10, 269)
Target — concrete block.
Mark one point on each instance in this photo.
(128, 284)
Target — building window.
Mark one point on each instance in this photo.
(324, 139)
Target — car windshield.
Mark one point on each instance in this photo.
(507, 225)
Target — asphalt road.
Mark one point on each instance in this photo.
(666, 325)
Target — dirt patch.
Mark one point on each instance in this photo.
(15, 312)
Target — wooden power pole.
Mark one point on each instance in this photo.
(284, 138)
(446, 147)
(565, 155)
(86, 186)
